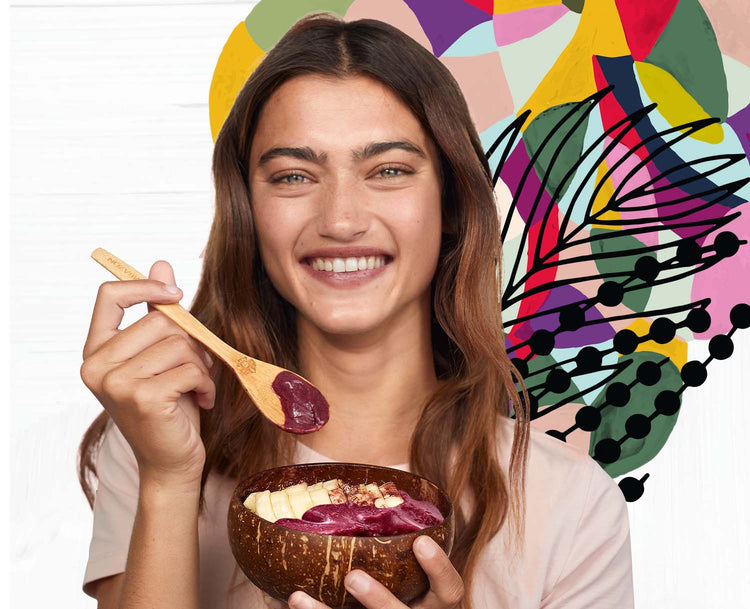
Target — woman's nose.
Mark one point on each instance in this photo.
(343, 215)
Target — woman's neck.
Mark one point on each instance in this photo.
(375, 384)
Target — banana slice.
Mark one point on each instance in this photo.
(331, 484)
(281, 506)
(319, 496)
(315, 486)
(300, 502)
(263, 506)
(296, 488)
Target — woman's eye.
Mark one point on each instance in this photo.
(392, 172)
(290, 178)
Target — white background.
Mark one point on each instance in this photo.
(111, 147)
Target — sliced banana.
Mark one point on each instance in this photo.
(300, 502)
(319, 496)
(331, 484)
(250, 501)
(296, 488)
(315, 486)
(263, 506)
(281, 506)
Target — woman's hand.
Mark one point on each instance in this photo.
(151, 378)
(446, 587)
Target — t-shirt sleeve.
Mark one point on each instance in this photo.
(598, 572)
(114, 508)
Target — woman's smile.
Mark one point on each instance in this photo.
(348, 267)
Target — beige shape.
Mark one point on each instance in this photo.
(393, 12)
(561, 419)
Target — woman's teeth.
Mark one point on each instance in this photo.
(347, 265)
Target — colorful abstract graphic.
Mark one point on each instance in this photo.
(618, 132)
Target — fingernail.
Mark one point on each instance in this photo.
(272, 602)
(300, 600)
(357, 582)
(207, 359)
(172, 289)
(426, 547)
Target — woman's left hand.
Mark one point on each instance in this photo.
(446, 586)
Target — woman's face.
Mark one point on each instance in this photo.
(346, 197)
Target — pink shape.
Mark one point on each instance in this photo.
(394, 12)
(723, 283)
(641, 177)
(482, 81)
(512, 27)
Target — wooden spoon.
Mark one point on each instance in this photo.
(284, 398)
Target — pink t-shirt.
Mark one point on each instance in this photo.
(577, 538)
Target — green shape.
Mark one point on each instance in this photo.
(637, 291)
(570, 137)
(270, 19)
(574, 5)
(636, 452)
(548, 399)
(688, 50)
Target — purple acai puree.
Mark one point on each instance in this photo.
(366, 520)
(305, 408)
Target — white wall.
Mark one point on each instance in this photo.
(111, 147)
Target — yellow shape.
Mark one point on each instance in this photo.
(571, 78)
(511, 6)
(675, 349)
(239, 57)
(675, 104)
(602, 198)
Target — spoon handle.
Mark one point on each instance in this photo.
(175, 312)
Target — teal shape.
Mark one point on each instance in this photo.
(270, 19)
(586, 381)
(688, 50)
(537, 375)
(636, 452)
(479, 40)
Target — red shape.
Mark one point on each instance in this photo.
(612, 113)
(521, 332)
(488, 6)
(643, 22)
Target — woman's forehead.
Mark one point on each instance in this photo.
(331, 115)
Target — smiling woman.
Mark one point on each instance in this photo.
(355, 241)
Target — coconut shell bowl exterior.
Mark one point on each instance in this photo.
(280, 561)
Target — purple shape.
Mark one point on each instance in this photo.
(590, 334)
(445, 22)
(740, 124)
(512, 172)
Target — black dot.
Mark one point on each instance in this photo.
(557, 381)
(667, 402)
(589, 359)
(625, 341)
(638, 426)
(521, 366)
(607, 450)
(648, 373)
(588, 418)
(631, 488)
(721, 346)
(689, 253)
(726, 244)
(646, 268)
(698, 320)
(618, 394)
(662, 330)
(740, 316)
(693, 373)
(542, 342)
(572, 318)
(556, 434)
(610, 293)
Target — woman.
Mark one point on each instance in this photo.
(356, 241)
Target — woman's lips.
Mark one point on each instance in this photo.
(348, 279)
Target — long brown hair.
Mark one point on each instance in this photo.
(455, 441)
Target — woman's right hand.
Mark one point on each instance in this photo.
(151, 377)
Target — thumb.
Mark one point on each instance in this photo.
(162, 271)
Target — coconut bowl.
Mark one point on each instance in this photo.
(280, 561)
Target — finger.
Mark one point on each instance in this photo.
(272, 603)
(370, 592)
(112, 300)
(170, 385)
(162, 271)
(300, 600)
(141, 335)
(168, 353)
(446, 586)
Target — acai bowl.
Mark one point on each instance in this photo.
(280, 560)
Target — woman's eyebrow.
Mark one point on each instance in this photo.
(305, 153)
